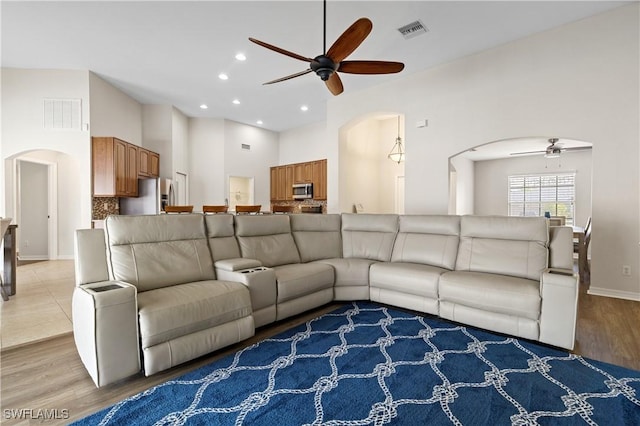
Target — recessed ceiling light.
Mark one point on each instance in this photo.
(241, 57)
(304, 108)
(204, 106)
(236, 102)
(259, 122)
(223, 76)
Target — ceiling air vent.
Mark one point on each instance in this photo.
(413, 29)
(246, 146)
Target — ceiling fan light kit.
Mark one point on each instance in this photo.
(327, 65)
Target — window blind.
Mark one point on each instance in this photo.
(534, 195)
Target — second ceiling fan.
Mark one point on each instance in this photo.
(327, 65)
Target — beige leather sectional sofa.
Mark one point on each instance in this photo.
(155, 291)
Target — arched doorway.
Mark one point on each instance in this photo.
(38, 180)
(369, 181)
(479, 175)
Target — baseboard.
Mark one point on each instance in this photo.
(33, 257)
(36, 257)
(618, 294)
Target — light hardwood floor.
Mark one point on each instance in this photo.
(49, 374)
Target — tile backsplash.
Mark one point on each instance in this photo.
(101, 207)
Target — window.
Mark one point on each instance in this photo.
(533, 195)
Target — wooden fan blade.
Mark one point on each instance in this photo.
(334, 84)
(350, 40)
(370, 67)
(279, 50)
(298, 74)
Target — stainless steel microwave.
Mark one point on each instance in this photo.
(302, 191)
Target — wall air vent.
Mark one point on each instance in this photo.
(413, 29)
(62, 114)
(246, 146)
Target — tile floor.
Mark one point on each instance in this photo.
(41, 307)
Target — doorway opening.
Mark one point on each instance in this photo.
(367, 175)
(241, 191)
(35, 207)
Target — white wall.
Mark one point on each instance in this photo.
(302, 144)
(180, 143)
(113, 113)
(23, 92)
(255, 162)
(157, 135)
(491, 186)
(578, 81)
(207, 182)
(463, 190)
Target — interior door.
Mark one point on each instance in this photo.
(33, 225)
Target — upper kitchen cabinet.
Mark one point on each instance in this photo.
(319, 179)
(148, 163)
(283, 178)
(115, 167)
(302, 173)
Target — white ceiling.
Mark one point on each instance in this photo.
(172, 52)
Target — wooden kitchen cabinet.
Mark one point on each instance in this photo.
(288, 183)
(283, 178)
(115, 167)
(319, 179)
(148, 163)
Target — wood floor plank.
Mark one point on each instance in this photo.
(50, 375)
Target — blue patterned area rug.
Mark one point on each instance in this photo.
(366, 364)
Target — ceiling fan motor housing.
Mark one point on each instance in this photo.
(323, 66)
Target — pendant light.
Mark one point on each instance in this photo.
(397, 152)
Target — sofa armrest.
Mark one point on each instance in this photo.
(231, 265)
(559, 292)
(105, 330)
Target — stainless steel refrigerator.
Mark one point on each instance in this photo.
(153, 195)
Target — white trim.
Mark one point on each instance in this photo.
(618, 294)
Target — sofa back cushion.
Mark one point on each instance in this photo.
(222, 239)
(369, 236)
(516, 246)
(267, 238)
(317, 236)
(158, 250)
(431, 240)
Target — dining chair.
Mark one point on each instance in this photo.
(582, 260)
(178, 209)
(215, 209)
(281, 209)
(249, 209)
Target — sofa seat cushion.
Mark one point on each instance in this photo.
(351, 271)
(299, 279)
(410, 278)
(492, 292)
(175, 311)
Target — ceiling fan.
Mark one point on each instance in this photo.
(553, 150)
(327, 65)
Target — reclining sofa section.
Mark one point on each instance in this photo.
(165, 289)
